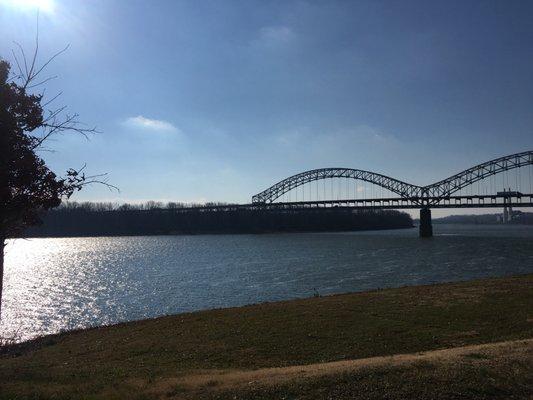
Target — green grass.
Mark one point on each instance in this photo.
(109, 362)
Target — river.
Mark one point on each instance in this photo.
(60, 284)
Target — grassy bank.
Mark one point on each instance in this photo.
(492, 371)
(134, 359)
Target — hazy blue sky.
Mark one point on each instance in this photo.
(216, 100)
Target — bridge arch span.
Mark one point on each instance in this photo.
(469, 176)
(424, 195)
(401, 188)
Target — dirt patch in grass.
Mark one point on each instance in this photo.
(494, 371)
(230, 380)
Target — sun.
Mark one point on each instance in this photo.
(46, 6)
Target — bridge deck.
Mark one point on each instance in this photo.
(396, 203)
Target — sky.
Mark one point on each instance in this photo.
(217, 100)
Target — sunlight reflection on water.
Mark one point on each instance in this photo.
(62, 284)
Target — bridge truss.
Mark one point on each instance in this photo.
(431, 195)
(477, 173)
(403, 189)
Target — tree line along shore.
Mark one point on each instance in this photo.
(108, 219)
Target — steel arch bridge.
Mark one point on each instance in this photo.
(422, 195)
(435, 195)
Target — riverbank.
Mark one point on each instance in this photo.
(168, 357)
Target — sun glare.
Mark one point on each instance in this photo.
(30, 5)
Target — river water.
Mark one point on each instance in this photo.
(61, 284)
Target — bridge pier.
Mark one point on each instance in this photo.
(425, 229)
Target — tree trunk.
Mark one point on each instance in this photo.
(2, 246)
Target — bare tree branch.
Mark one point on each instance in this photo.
(42, 82)
(77, 179)
(36, 46)
(23, 58)
(32, 77)
(52, 99)
(21, 74)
